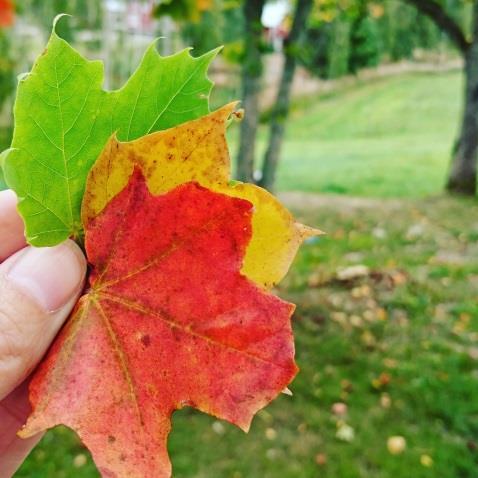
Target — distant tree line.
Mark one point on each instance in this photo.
(344, 40)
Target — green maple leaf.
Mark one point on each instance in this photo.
(63, 118)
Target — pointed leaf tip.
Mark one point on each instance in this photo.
(307, 232)
(58, 18)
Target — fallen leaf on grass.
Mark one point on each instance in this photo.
(352, 272)
(426, 461)
(321, 459)
(339, 409)
(345, 432)
(382, 381)
(396, 445)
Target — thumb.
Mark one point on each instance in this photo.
(38, 289)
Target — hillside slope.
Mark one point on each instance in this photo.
(391, 137)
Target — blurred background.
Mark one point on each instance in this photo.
(362, 115)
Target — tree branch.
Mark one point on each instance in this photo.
(443, 20)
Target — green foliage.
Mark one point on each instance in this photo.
(427, 34)
(327, 48)
(221, 24)
(63, 119)
(338, 50)
(344, 42)
(85, 14)
(233, 51)
(364, 44)
(204, 34)
(397, 30)
(361, 34)
(179, 10)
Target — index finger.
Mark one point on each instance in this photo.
(12, 237)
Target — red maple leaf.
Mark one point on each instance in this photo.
(168, 322)
(7, 11)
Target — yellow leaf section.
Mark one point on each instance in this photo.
(276, 236)
(197, 151)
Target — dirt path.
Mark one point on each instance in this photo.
(308, 202)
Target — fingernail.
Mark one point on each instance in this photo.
(50, 275)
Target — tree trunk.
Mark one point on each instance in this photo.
(281, 107)
(462, 175)
(251, 82)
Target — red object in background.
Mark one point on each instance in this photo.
(7, 13)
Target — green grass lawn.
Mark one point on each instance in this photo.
(390, 137)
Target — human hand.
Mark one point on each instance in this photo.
(38, 289)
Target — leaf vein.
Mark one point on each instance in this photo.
(44, 133)
(121, 359)
(188, 331)
(174, 97)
